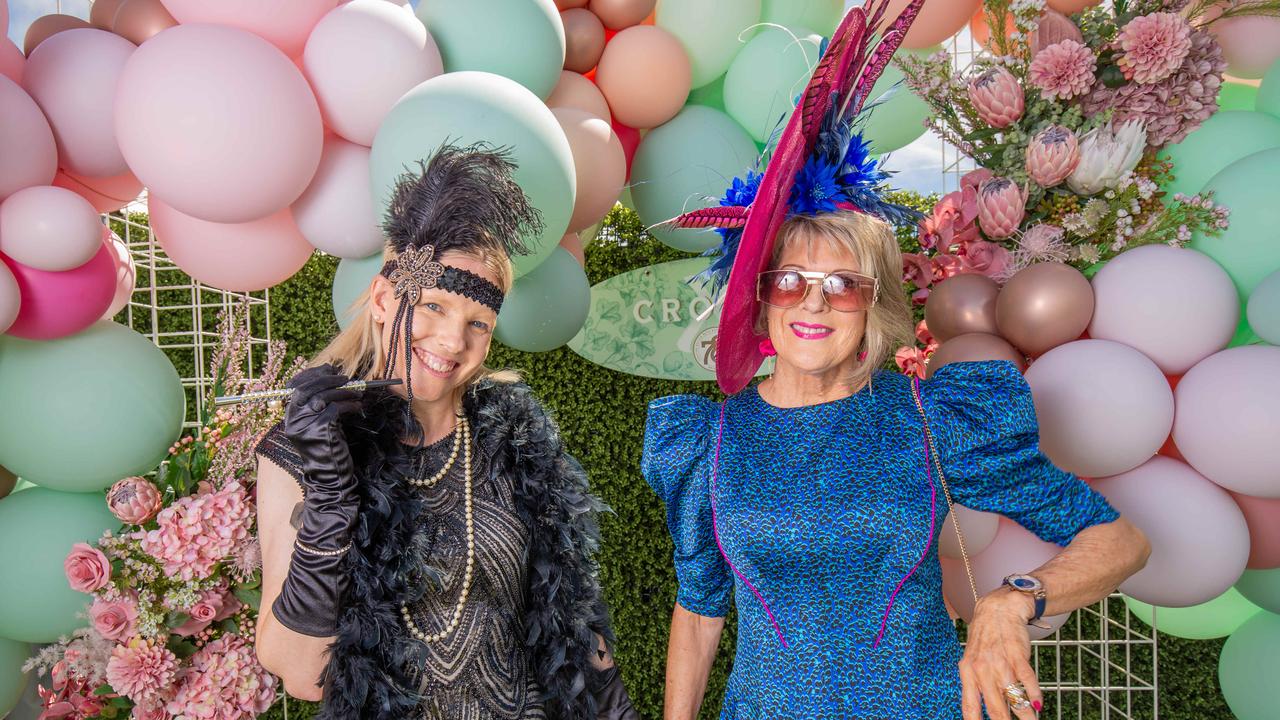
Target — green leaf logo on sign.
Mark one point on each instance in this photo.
(653, 322)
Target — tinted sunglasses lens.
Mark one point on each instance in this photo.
(782, 288)
(848, 293)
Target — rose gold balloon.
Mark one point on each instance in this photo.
(1054, 27)
(47, 26)
(973, 347)
(7, 481)
(105, 194)
(575, 91)
(573, 244)
(620, 14)
(583, 39)
(563, 5)
(102, 14)
(962, 304)
(645, 75)
(1044, 306)
(138, 20)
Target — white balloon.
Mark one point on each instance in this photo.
(10, 298)
(49, 228)
(335, 213)
(979, 529)
(126, 276)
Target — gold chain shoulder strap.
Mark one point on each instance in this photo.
(931, 451)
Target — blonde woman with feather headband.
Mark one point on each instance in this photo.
(428, 547)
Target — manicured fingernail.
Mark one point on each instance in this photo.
(1037, 705)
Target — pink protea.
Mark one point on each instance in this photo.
(1001, 207)
(1052, 155)
(1153, 46)
(1064, 70)
(225, 682)
(142, 670)
(134, 500)
(997, 97)
(199, 531)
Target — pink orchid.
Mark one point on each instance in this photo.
(917, 269)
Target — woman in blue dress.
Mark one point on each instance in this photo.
(815, 498)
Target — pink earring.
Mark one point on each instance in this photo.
(767, 349)
(862, 356)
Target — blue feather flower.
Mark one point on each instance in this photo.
(817, 189)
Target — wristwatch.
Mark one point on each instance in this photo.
(1032, 586)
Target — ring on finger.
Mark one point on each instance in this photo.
(1015, 694)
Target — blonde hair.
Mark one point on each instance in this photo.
(357, 350)
(872, 243)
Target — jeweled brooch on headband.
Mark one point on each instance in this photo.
(415, 271)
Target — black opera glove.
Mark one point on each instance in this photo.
(612, 701)
(310, 601)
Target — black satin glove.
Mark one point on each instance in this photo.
(612, 701)
(311, 599)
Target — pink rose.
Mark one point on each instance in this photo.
(212, 606)
(87, 568)
(987, 258)
(114, 619)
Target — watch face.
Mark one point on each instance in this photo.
(1025, 583)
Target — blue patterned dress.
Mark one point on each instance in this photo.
(824, 511)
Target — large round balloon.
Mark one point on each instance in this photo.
(1216, 618)
(1199, 540)
(335, 214)
(10, 298)
(764, 79)
(685, 165)
(87, 424)
(820, 16)
(1227, 422)
(73, 77)
(599, 162)
(12, 61)
(575, 91)
(547, 306)
(1262, 587)
(1250, 44)
(1247, 668)
(13, 682)
(105, 194)
(1224, 138)
(644, 74)
(1262, 515)
(57, 304)
(28, 155)
(242, 257)
(962, 304)
(1268, 100)
(349, 282)
(518, 39)
(978, 528)
(1103, 407)
(218, 122)
(284, 23)
(1249, 250)
(1044, 306)
(936, 21)
(361, 58)
(49, 228)
(469, 107)
(899, 120)
(1176, 306)
(1264, 309)
(974, 347)
(36, 603)
(711, 31)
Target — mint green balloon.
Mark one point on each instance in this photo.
(686, 164)
(1263, 310)
(469, 107)
(349, 282)
(1262, 587)
(13, 682)
(1223, 139)
(1237, 96)
(1214, 619)
(36, 603)
(1247, 668)
(546, 307)
(518, 39)
(899, 120)
(1268, 100)
(768, 75)
(83, 411)
(821, 16)
(1249, 250)
(711, 31)
(710, 95)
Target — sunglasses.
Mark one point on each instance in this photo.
(843, 291)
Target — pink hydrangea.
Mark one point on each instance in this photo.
(114, 619)
(87, 569)
(142, 670)
(1153, 46)
(199, 531)
(224, 682)
(1064, 70)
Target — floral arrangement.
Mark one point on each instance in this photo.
(176, 591)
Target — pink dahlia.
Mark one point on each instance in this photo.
(1064, 70)
(1153, 46)
(1052, 155)
(1001, 207)
(997, 97)
(134, 500)
(224, 682)
(143, 670)
(199, 531)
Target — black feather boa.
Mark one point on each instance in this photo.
(564, 607)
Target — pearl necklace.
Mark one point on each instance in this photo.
(471, 550)
(448, 464)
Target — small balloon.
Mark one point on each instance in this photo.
(49, 228)
(572, 244)
(46, 26)
(621, 14)
(974, 347)
(126, 275)
(1250, 43)
(545, 307)
(105, 194)
(575, 91)
(10, 298)
(583, 40)
(1044, 306)
(645, 75)
(102, 13)
(936, 21)
(962, 304)
(140, 20)
(57, 304)
(335, 213)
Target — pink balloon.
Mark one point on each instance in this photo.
(645, 75)
(576, 91)
(4, 15)
(1262, 515)
(573, 245)
(105, 194)
(979, 530)
(126, 275)
(1228, 420)
(1199, 539)
(336, 213)
(1250, 44)
(1103, 407)
(12, 61)
(1176, 306)
(10, 298)
(57, 304)
(218, 122)
(232, 256)
(361, 58)
(599, 162)
(49, 228)
(28, 155)
(284, 23)
(73, 77)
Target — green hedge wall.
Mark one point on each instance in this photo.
(601, 414)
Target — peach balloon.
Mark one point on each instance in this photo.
(140, 20)
(936, 22)
(12, 61)
(583, 39)
(126, 275)
(102, 13)
(576, 91)
(105, 194)
(620, 14)
(973, 347)
(28, 154)
(981, 31)
(1071, 6)
(563, 5)
(46, 26)
(49, 228)
(73, 77)
(283, 23)
(241, 257)
(598, 160)
(57, 304)
(1250, 44)
(10, 298)
(645, 75)
(570, 242)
